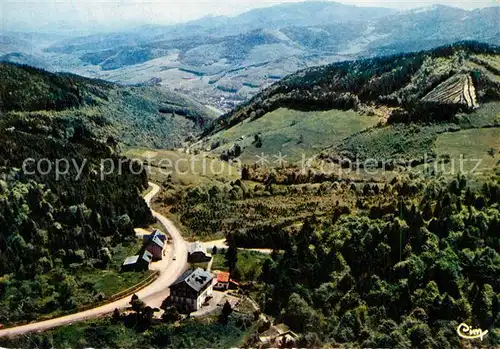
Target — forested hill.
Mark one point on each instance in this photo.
(424, 86)
(53, 223)
(134, 115)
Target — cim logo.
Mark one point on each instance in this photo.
(469, 332)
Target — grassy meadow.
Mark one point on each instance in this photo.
(181, 168)
(480, 149)
(294, 133)
(111, 281)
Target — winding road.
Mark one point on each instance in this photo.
(153, 294)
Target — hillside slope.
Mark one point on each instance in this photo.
(443, 85)
(405, 81)
(57, 222)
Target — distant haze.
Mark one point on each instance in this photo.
(89, 16)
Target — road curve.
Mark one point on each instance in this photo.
(153, 294)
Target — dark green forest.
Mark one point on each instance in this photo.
(398, 264)
(106, 333)
(400, 274)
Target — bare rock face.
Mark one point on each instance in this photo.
(458, 90)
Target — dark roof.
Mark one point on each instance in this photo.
(157, 232)
(146, 257)
(183, 276)
(196, 279)
(157, 238)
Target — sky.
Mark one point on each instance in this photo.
(105, 15)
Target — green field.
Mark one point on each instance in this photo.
(478, 147)
(184, 169)
(294, 133)
(394, 142)
(487, 115)
(111, 281)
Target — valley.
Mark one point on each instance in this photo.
(225, 61)
(415, 217)
(64, 234)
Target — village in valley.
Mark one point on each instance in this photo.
(199, 291)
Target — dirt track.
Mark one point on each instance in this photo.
(153, 294)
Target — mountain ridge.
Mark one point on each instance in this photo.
(223, 61)
(347, 110)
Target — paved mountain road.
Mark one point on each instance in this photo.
(153, 294)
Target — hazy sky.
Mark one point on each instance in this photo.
(101, 15)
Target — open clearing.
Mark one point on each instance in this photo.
(475, 145)
(184, 169)
(294, 133)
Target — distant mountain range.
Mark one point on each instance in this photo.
(222, 61)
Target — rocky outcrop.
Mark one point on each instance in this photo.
(457, 90)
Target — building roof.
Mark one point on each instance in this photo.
(222, 277)
(277, 332)
(196, 247)
(183, 276)
(146, 257)
(130, 260)
(196, 279)
(156, 239)
(159, 233)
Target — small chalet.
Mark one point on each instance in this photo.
(191, 289)
(222, 281)
(198, 254)
(155, 243)
(138, 263)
